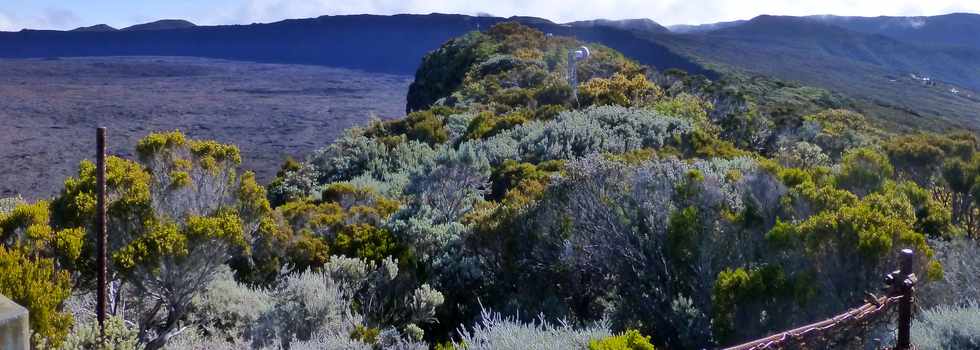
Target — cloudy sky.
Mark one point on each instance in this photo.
(67, 14)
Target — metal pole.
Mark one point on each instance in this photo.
(907, 288)
(100, 230)
(572, 74)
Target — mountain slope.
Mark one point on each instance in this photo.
(955, 29)
(873, 67)
(794, 34)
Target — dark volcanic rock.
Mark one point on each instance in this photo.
(50, 108)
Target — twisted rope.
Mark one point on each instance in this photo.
(851, 317)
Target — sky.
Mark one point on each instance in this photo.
(68, 14)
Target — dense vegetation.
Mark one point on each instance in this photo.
(657, 209)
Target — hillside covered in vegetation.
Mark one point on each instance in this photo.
(658, 209)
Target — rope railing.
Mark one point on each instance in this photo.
(900, 293)
(864, 313)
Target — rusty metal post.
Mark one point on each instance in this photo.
(907, 288)
(100, 231)
(572, 75)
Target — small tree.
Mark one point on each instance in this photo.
(175, 218)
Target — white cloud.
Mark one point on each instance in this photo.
(48, 18)
(59, 18)
(662, 11)
(7, 23)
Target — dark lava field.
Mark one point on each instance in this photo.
(49, 109)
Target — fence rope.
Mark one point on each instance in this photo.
(857, 315)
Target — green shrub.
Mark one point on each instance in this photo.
(690, 107)
(630, 340)
(706, 145)
(511, 174)
(683, 229)
(425, 127)
(556, 92)
(740, 288)
(366, 242)
(864, 171)
(487, 124)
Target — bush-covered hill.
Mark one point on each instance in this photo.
(656, 209)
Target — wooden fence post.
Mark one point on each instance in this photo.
(100, 230)
(906, 287)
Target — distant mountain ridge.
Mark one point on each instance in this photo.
(388, 44)
(163, 24)
(954, 29)
(701, 28)
(823, 37)
(95, 28)
(641, 24)
(782, 27)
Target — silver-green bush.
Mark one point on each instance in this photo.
(947, 327)
(495, 332)
(574, 134)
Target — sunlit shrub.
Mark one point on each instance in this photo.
(486, 124)
(690, 107)
(630, 340)
(619, 90)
